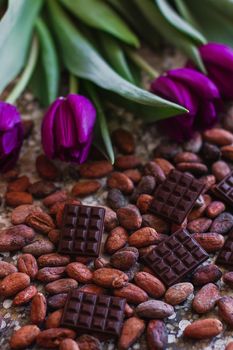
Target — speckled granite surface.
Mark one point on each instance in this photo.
(10, 317)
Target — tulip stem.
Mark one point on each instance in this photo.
(73, 84)
(27, 72)
(141, 63)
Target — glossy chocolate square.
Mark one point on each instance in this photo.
(224, 189)
(82, 230)
(174, 258)
(176, 196)
(91, 313)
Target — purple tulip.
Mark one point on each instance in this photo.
(195, 92)
(218, 60)
(11, 136)
(67, 128)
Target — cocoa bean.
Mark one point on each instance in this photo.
(133, 294)
(94, 170)
(156, 335)
(178, 293)
(62, 285)
(85, 188)
(206, 274)
(129, 217)
(24, 337)
(206, 298)
(124, 141)
(202, 329)
(38, 309)
(154, 309)
(131, 331)
(51, 338)
(41, 189)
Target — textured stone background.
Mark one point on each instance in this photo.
(12, 318)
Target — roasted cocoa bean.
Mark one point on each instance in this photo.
(41, 189)
(116, 199)
(129, 217)
(124, 141)
(39, 247)
(206, 274)
(222, 224)
(85, 188)
(27, 263)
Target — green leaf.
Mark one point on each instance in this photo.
(38, 83)
(48, 62)
(115, 56)
(99, 15)
(159, 23)
(137, 21)
(16, 29)
(81, 59)
(176, 21)
(102, 139)
(224, 6)
(215, 26)
(184, 11)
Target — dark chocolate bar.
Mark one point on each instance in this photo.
(224, 189)
(91, 313)
(174, 258)
(225, 256)
(176, 196)
(82, 230)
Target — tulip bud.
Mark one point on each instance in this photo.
(67, 128)
(11, 136)
(194, 91)
(218, 60)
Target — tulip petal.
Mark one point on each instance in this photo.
(223, 78)
(84, 114)
(178, 128)
(8, 141)
(218, 54)
(9, 116)
(196, 81)
(65, 128)
(207, 116)
(47, 129)
(85, 151)
(175, 92)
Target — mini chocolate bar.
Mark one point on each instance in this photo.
(175, 257)
(82, 230)
(176, 196)
(91, 313)
(224, 189)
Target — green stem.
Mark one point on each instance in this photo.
(73, 84)
(141, 63)
(26, 74)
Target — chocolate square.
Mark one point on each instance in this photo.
(224, 189)
(176, 196)
(174, 258)
(91, 313)
(82, 230)
(225, 256)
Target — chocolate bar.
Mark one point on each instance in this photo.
(224, 189)
(225, 256)
(91, 313)
(176, 196)
(174, 258)
(82, 230)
